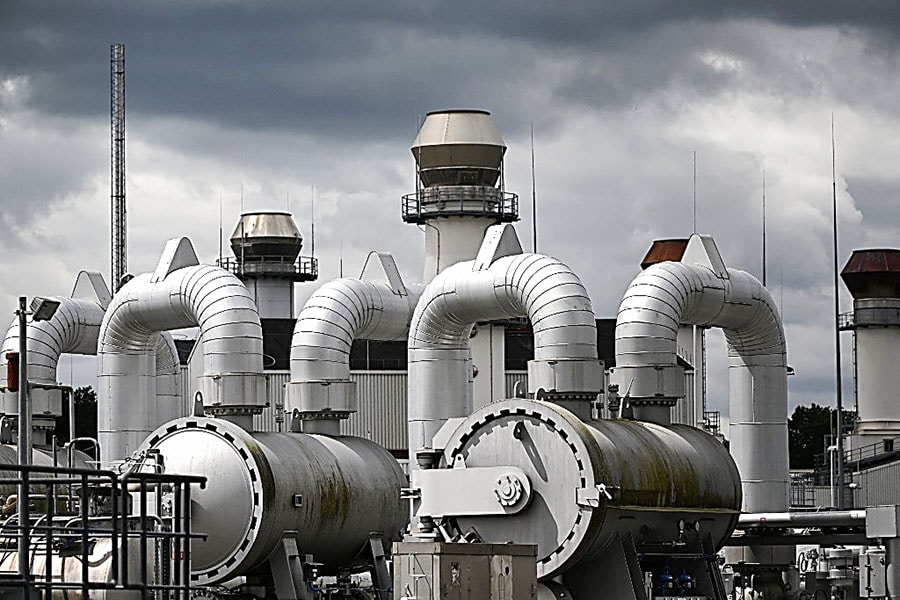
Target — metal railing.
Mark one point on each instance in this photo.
(803, 490)
(87, 530)
(446, 201)
(712, 421)
(847, 321)
(304, 268)
(881, 449)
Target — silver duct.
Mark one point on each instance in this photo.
(539, 287)
(169, 404)
(340, 311)
(73, 329)
(179, 294)
(669, 294)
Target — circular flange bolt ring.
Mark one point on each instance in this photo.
(508, 489)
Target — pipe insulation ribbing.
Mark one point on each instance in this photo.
(336, 314)
(670, 294)
(73, 329)
(208, 297)
(524, 285)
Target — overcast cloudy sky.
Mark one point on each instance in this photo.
(281, 97)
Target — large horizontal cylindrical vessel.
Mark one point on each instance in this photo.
(333, 491)
(594, 482)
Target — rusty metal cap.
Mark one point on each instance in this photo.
(664, 250)
(873, 273)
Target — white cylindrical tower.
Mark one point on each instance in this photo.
(873, 278)
(459, 186)
(267, 260)
(459, 194)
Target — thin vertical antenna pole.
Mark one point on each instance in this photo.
(341, 260)
(221, 232)
(764, 228)
(118, 222)
(312, 219)
(533, 196)
(837, 336)
(695, 192)
(243, 232)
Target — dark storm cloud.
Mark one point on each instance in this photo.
(367, 69)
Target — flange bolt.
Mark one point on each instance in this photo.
(508, 490)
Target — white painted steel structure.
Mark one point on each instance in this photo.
(877, 375)
(669, 294)
(74, 329)
(339, 312)
(497, 285)
(447, 143)
(180, 293)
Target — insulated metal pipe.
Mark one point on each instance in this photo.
(669, 294)
(539, 287)
(231, 337)
(73, 329)
(843, 518)
(337, 313)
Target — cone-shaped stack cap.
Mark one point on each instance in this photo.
(458, 147)
(664, 250)
(266, 235)
(873, 273)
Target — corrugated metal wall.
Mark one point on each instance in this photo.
(511, 378)
(878, 486)
(382, 407)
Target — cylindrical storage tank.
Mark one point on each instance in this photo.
(9, 455)
(333, 491)
(657, 477)
(67, 568)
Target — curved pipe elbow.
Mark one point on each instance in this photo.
(230, 333)
(200, 296)
(541, 288)
(340, 312)
(72, 329)
(524, 285)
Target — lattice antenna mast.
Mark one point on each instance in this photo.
(117, 165)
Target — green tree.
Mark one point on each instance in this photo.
(85, 405)
(808, 427)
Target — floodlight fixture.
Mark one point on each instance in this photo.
(43, 309)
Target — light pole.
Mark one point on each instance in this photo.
(42, 309)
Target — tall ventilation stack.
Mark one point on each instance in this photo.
(873, 278)
(691, 345)
(267, 260)
(459, 194)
